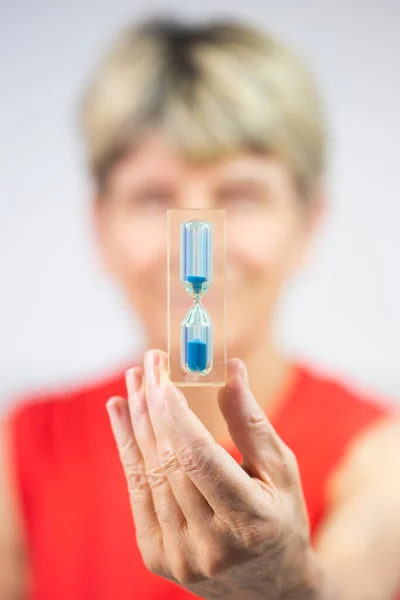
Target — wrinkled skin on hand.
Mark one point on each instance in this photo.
(219, 529)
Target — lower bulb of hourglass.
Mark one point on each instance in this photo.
(196, 341)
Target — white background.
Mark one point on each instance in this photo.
(61, 321)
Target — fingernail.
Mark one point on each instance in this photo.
(163, 360)
(153, 366)
(243, 372)
(113, 408)
(134, 379)
(160, 376)
(237, 367)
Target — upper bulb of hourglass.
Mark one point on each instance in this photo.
(196, 275)
(196, 257)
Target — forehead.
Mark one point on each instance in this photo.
(157, 160)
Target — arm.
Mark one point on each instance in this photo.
(220, 530)
(13, 571)
(358, 547)
(241, 533)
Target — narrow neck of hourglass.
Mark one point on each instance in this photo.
(197, 300)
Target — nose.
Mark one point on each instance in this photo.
(195, 196)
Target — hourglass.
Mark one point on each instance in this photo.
(196, 273)
(196, 297)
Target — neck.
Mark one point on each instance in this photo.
(269, 374)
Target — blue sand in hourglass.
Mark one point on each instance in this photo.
(197, 340)
(197, 283)
(197, 355)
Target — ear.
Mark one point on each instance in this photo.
(314, 215)
(100, 219)
(317, 212)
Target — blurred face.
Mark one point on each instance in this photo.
(268, 230)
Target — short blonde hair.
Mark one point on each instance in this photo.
(213, 89)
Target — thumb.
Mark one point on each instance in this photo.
(265, 454)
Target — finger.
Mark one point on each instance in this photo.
(168, 512)
(196, 509)
(141, 499)
(217, 476)
(265, 454)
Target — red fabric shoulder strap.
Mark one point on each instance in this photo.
(319, 420)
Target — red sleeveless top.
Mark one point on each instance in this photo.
(73, 495)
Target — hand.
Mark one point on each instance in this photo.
(203, 521)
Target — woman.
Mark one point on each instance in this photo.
(212, 116)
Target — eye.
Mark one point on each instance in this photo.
(151, 198)
(242, 195)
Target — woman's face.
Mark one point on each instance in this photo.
(268, 230)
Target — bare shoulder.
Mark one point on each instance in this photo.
(13, 572)
(363, 516)
(373, 457)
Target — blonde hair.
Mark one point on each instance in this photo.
(213, 89)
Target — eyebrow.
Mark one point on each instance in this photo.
(243, 175)
(242, 181)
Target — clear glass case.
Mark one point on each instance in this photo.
(196, 304)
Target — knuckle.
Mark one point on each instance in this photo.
(286, 475)
(262, 428)
(156, 477)
(285, 462)
(245, 535)
(183, 573)
(180, 564)
(192, 456)
(257, 419)
(252, 537)
(214, 561)
(290, 466)
(291, 460)
(168, 460)
(153, 565)
(153, 555)
(135, 477)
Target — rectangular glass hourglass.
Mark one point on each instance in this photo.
(196, 296)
